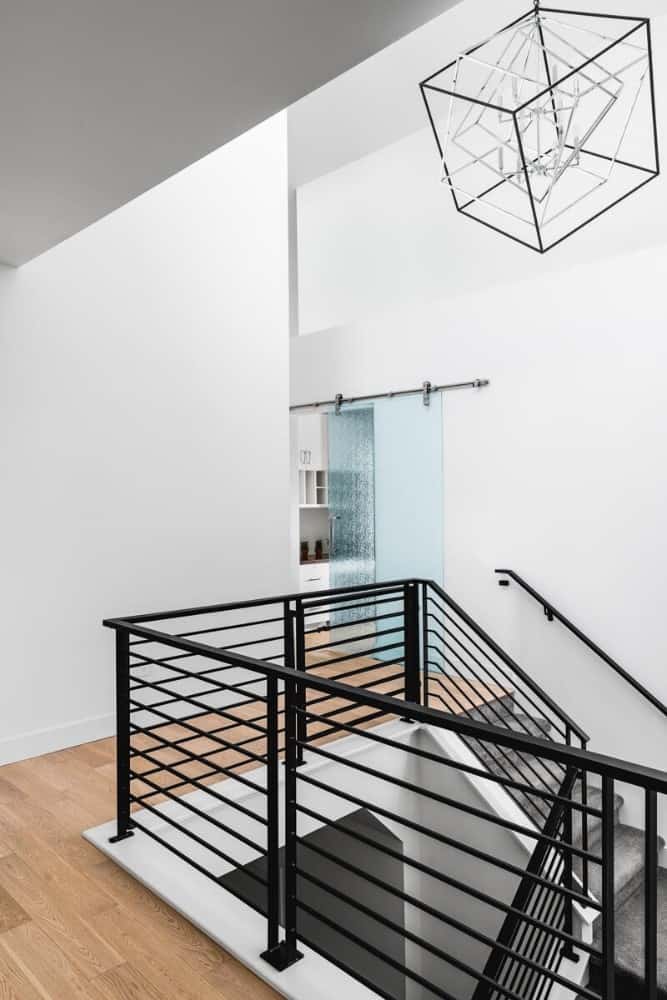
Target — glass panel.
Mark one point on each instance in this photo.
(409, 492)
(352, 501)
(409, 501)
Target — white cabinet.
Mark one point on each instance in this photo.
(312, 434)
(314, 576)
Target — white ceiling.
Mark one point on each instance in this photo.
(102, 99)
(378, 102)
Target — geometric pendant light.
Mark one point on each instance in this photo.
(548, 123)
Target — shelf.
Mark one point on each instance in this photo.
(313, 506)
(313, 488)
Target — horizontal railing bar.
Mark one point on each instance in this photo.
(356, 638)
(345, 708)
(324, 601)
(354, 673)
(256, 642)
(256, 602)
(139, 706)
(439, 876)
(218, 628)
(200, 840)
(325, 716)
(222, 729)
(444, 839)
(503, 672)
(431, 911)
(356, 656)
(532, 766)
(508, 661)
(178, 698)
(148, 730)
(198, 782)
(225, 744)
(184, 857)
(215, 710)
(593, 646)
(505, 692)
(402, 931)
(585, 760)
(166, 664)
(466, 768)
(357, 621)
(487, 707)
(373, 603)
(445, 800)
(403, 969)
(182, 801)
(359, 723)
(226, 769)
(503, 762)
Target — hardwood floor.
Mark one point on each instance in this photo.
(73, 926)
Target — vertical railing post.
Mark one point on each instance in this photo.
(123, 822)
(424, 646)
(608, 931)
(568, 874)
(584, 823)
(288, 950)
(568, 950)
(272, 819)
(651, 900)
(411, 642)
(300, 689)
(283, 954)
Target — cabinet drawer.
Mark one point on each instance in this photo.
(314, 577)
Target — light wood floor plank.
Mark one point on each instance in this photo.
(11, 912)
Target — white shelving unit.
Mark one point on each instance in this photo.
(313, 488)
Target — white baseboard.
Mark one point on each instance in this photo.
(40, 741)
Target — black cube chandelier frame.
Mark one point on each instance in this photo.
(526, 162)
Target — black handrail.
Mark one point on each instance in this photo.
(553, 612)
(646, 777)
(325, 597)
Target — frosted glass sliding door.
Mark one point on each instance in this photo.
(352, 497)
(409, 491)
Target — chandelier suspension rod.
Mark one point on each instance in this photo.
(425, 391)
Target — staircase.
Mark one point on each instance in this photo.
(629, 887)
(233, 759)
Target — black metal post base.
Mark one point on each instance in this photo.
(280, 958)
(121, 836)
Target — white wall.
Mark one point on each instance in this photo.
(143, 430)
(555, 470)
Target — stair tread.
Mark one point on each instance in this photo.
(628, 866)
(630, 932)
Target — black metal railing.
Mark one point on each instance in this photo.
(551, 613)
(374, 844)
